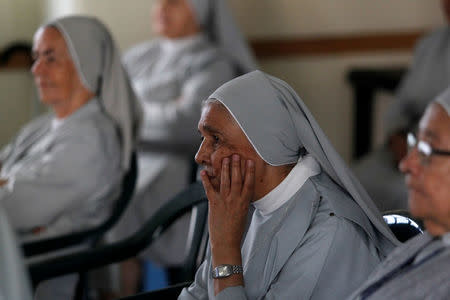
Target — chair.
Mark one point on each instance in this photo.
(93, 235)
(193, 198)
(365, 82)
(402, 225)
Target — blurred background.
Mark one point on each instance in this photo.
(311, 44)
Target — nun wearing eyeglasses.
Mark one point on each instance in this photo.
(287, 219)
(63, 171)
(198, 49)
(419, 269)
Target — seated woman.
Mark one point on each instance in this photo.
(287, 219)
(62, 171)
(419, 269)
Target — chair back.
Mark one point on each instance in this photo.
(402, 225)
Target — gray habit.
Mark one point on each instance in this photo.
(427, 77)
(301, 250)
(14, 284)
(423, 264)
(279, 126)
(56, 177)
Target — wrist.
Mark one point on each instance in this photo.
(230, 256)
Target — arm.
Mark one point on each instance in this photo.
(175, 122)
(55, 183)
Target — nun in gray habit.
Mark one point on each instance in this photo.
(420, 268)
(63, 173)
(172, 76)
(317, 234)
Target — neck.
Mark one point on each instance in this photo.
(66, 108)
(435, 229)
(273, 176)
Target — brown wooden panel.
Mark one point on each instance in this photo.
(327, 45)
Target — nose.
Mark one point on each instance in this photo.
(411, 162)
(202, 155)
(36, 68)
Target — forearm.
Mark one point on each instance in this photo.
(231, 256)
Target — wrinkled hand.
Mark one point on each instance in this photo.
(228, 207)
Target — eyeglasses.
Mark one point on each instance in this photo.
(423, 148)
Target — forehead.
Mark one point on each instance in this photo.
(49, 38)
(214, 114)
(435, 124)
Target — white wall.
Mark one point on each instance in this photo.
(18, 20)
(320, 80)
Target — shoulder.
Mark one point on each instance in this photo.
(205, 58)
(93, 126)
(437, 38)
(140, 50)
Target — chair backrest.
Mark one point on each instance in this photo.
(402, 225)
(89, 259)
(91, 235)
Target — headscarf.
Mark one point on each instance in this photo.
(279, 125)
(98, 63)
(444, 100)
(218, 24)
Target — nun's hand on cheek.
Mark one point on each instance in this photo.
(228, 207)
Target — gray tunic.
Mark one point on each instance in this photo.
(429, 75)
(171, 89)
(300, 251)
(428, 276)
(14, 282)
(59, 178)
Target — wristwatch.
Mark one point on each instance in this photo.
(224, 271)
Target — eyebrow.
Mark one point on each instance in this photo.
(431, 135)
(44, 53)
(209, 129)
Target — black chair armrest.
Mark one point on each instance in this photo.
(90, 235)
(115, 252)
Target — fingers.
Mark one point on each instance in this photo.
(249, 180)
(236, 177)
(209, 189)
(225, 177)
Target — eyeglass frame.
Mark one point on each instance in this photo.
(423, 148)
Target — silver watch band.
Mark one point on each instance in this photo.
(223, 271)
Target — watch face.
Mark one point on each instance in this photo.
(224, 271)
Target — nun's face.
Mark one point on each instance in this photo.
(428, 180)
(222, 137)
(54, 72)
(174, 19)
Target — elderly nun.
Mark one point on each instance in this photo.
(419, 269)
(287, 219)
(63, 170)
(427, 77)
(198, 49)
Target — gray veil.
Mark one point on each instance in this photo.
(444, 100)
(218, 24)
(98, 62)
(279, 125)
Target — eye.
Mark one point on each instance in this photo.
(216, 138)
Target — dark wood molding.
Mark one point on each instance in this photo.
(329, 45)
